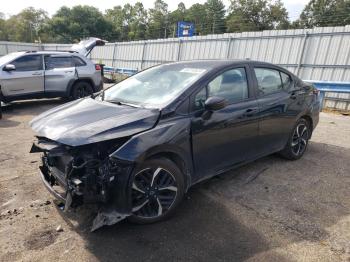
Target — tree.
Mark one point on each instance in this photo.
(116, 17)
(72, 24)
(176, 16)
(26, 26)
(197, 14)
(324, 13)
(256, 15)
(158, 20)
(215, 10)
(3, 32)
(138, 24)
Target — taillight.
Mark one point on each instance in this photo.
(98, 67)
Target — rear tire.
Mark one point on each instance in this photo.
(81, 89)
(157, 190)
(298, 141)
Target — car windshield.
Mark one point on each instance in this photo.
(154, 87)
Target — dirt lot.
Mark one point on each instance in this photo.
(269, 210)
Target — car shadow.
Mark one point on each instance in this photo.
(201, 230)
(205, 227)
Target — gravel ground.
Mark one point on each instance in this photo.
(269, 210)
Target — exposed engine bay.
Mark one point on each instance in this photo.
(85, 175)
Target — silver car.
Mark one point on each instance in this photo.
(42, 74)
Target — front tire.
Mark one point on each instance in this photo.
(157, 190)
(298, 141)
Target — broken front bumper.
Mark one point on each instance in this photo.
(76, 180)
(47, 178)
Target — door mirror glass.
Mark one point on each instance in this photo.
(9, 67)
(215, 103)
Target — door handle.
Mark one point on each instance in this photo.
(250, 112)
(69, 71)
(37, 74)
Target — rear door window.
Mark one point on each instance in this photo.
(269, 80)
(52, 62)
(28, 63)
(286, 81)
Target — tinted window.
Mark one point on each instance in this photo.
(28, 63)
(286, 81)
(231, 85)
(269, 80)
(52, 62)
(78, 61)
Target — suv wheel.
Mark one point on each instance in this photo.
(157, 189)
(82, 89)
(298, 141)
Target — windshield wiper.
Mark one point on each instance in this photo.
(118, 102)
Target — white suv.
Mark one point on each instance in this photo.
(42, 74)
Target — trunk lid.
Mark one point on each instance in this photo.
(85, 47)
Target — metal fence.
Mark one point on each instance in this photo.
(315, 54)
(320, 54)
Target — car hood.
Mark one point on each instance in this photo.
(88, 121)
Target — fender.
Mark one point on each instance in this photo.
(169, 137)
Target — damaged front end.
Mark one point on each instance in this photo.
(87, 174)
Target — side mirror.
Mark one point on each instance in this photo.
(215, 103)
(9, 67)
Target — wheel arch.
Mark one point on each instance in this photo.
(176, 157)
(75, 81)
(308, 118)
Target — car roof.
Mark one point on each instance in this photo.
(212, 64)
(48, 52)
(221, 62)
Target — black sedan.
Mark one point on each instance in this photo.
(137, 147)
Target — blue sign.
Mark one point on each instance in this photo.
(185, 29)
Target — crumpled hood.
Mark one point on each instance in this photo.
(88, 121)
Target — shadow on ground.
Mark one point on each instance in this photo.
(290, 196)
(201, 230)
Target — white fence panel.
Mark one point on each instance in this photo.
(313, 54)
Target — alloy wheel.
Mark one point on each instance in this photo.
(299, 140)
(154, 191)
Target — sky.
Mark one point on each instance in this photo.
(294, 7)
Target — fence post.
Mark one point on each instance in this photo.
(228, 47)
(302, 54)
(113, 56)
(143, 54)
(179, 50)
(7, 48)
